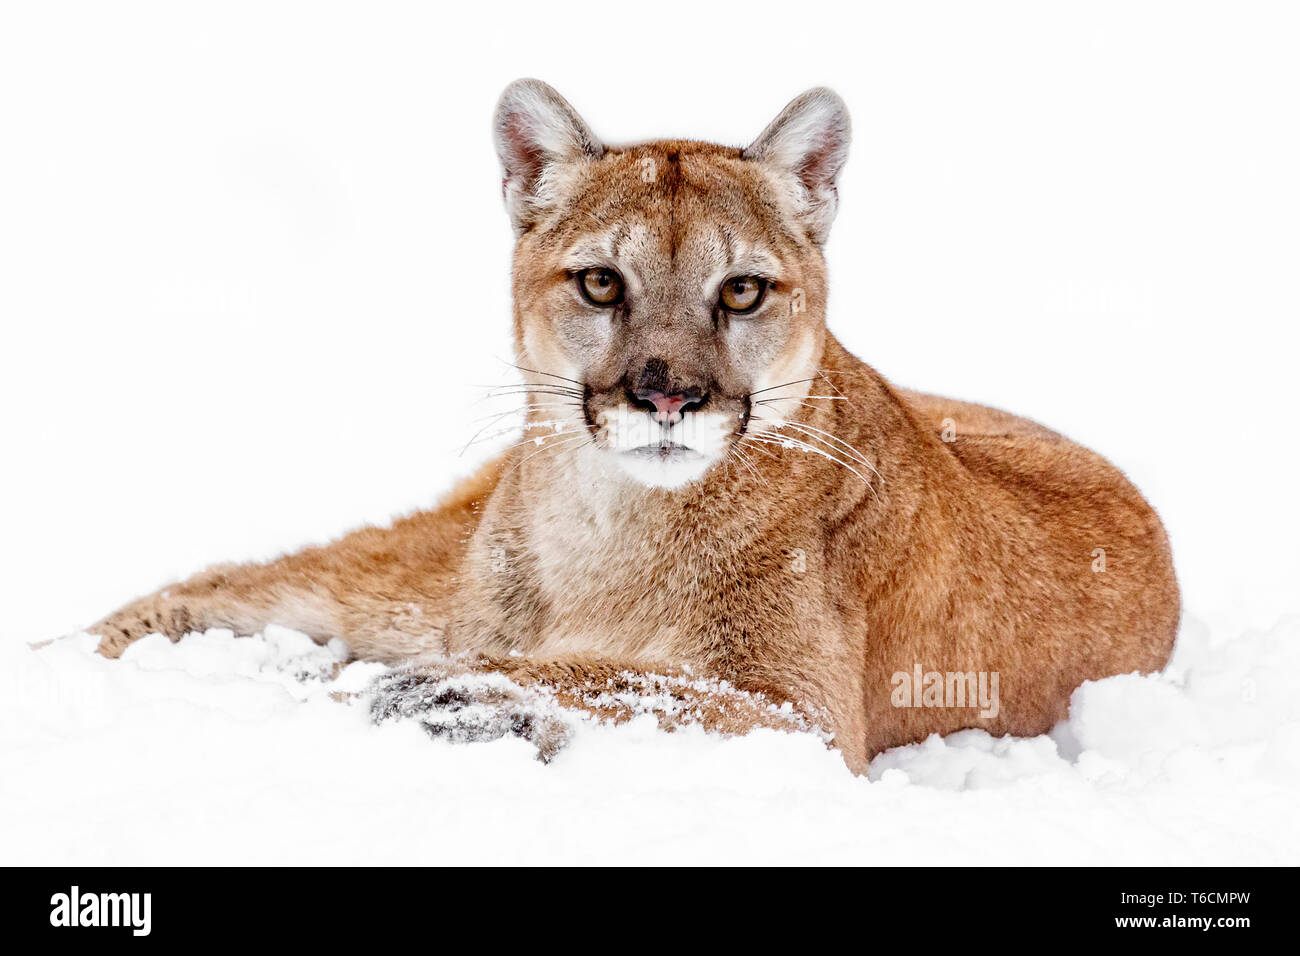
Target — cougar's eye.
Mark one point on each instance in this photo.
(603, 287)
(742, 294)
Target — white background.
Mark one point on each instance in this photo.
(253, 261)
(253, 273)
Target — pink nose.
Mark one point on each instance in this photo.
(667, 407)
(665, 404)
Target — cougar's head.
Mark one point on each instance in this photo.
(669, 297)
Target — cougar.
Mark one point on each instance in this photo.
(713, 496)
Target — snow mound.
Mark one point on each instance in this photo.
(275, 749)
(1220, 709)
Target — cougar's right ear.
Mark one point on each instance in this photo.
(536, 130)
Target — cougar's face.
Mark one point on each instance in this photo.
(671, 295)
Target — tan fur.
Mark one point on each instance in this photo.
(927, 532)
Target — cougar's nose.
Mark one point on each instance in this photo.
(667, 408)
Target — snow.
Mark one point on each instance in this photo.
(255, 270)
(264, 750)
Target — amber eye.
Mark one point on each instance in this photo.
(603, 287)
(742, 294)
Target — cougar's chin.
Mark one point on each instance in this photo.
(664, 466)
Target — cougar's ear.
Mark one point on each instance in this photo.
(809, 142)
(536, 130)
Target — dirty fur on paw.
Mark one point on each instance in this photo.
(466, 708)
(466, 700)
(680, 700)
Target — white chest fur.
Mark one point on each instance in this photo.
(601, 564)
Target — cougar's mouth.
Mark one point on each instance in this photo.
(664, 451)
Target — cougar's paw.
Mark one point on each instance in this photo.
(464, 708)
(151, 615)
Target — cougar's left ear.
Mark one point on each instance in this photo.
(536, 130)
(809, 141)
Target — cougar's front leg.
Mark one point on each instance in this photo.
(384, 591)
(619, 690)
(385, 607)
(463, 699)
(243, 598)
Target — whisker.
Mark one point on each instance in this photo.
(554, 444)
(800, 426)
(786, 441)
(762, 450)
(532, 406)
(533, 371)
(829, 398)
(529, 406)
(572, 448)
(527, 391)
(835, 388)
(526, 441)
(544, 387)
(532, 426)
(821, 373)
(798, 381)
(744, 460)
(769, 400)
(814, 432)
